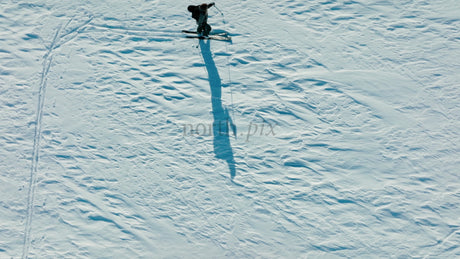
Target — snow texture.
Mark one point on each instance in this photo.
(325, 129)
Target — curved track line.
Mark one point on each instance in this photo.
(48, 58)
(36, 148)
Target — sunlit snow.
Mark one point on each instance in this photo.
(324, 129)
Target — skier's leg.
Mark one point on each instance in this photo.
(207, 29)
(200, 29)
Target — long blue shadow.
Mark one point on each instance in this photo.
(222, 123)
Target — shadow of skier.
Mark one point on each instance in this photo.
(222, 121)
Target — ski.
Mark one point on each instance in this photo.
(194, 32)
(210, 37)
(187, 31)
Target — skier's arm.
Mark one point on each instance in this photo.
(211, 5)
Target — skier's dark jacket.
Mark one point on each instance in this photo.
(197, 11)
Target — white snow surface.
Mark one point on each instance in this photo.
(336, 130)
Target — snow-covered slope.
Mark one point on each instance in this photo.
(325, 129)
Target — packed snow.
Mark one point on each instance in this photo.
(324, 129)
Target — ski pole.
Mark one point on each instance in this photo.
(218, 10)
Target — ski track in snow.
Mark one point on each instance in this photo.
(56, 42)
(338, 130)
(36, 147)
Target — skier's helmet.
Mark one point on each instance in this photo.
(203, 7)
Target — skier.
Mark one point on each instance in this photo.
(200, 14)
